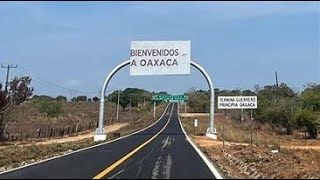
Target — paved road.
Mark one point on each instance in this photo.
(160, 152)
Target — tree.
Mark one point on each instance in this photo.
(19, 91)
(81, 98)
(307, 118)
(310, 97)
(163, 93)
(134, 95)
(95, 99)
(36, 98)
(61, 98)
(199, 100)
(277, 106)
(89, 99)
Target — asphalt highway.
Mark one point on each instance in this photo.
(159, 152)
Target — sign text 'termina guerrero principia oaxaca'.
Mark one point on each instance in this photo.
(160, 57)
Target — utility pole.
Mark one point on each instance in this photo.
(118, 104)
(277, 86)
(8, 70)
(276, 76)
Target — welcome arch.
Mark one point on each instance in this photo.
(100, 134)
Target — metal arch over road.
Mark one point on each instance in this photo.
(100, 134)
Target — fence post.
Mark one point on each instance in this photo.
(68, 130)
(50, 135)
(90, 124)
(77, 129)
(39, 133)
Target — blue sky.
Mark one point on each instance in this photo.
(69, 46)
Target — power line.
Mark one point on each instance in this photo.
(71, 92)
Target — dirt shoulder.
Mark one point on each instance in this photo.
(268, 158)
(238, 160)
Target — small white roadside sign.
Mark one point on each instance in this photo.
(237, 102)
(160, 57)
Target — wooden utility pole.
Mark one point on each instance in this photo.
(8, 70)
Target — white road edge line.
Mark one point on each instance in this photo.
(204, 158)
(79, 150)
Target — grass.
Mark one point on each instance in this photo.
(27, 119)
(233, 131)
(14, 155)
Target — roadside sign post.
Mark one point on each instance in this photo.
(238, 102)
(251, 123)
(224, 113)
(195, 126)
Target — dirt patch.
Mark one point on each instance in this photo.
(193, 114)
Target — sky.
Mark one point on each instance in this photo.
(69, 48)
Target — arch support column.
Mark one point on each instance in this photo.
(100, 133)
(211, 131)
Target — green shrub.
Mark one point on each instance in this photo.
(307, 118)
(51, 108)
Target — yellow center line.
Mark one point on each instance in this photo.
(120, 161)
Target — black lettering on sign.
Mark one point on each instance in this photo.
(156, 62)
(155, 52)
(165, 52)
(168, 62)
(143, 62)
(150, 63)
(133, 63)
(133, 52)
(171, 52)
(162, 63)
(175, 62)
(176, 52)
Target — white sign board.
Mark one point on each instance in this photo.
(196, 123)
(160, 57)
(237, 102)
